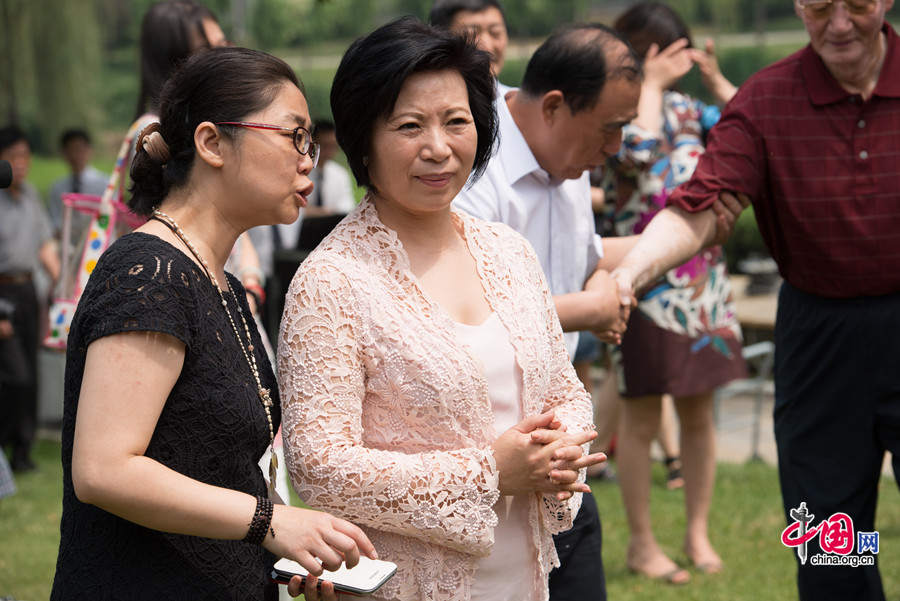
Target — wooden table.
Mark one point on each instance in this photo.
(755, 312)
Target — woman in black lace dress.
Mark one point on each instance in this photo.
(169, 399)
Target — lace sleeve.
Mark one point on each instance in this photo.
(145, 288)
(565, 395)
(442, 497)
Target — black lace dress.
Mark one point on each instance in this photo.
(212, 428)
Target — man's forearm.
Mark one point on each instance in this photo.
(595, 310)
(671, 238)
(572, 312)
(616, 248)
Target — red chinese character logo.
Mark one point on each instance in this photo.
(836, 535)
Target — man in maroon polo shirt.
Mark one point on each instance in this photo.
(813, 141)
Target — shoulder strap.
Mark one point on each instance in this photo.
(114, 189)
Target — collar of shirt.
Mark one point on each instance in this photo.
(823, 87)
(517, 158)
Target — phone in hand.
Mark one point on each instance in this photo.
(363, 579)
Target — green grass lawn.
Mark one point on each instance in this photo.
(29, 528)
(745, 525)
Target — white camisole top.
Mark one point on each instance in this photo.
(507, 574)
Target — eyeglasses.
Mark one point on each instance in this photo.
(825, 8)
(301, 136)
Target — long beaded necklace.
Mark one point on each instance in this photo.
(248, 349)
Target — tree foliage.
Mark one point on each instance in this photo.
(731, 15)
(53, 64)
(281, 23)
(74, 62)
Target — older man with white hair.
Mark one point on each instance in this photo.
(813, 142)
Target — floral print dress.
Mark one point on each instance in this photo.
(684, 339)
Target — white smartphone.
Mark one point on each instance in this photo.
(363, 579)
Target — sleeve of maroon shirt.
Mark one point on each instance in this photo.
(734, 160)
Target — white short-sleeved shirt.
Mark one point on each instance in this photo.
(555, 216)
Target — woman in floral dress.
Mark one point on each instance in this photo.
(684, 339)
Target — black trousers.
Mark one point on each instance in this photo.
(580, 575)
(837, 409)
(18, 382)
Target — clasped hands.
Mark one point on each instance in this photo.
(539, 455)
(613, 306)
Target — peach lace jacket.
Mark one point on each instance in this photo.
(386, 416)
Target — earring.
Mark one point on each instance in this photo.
(365, 161)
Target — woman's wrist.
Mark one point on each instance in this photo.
(723, 89)
(649, 117)
(261, 523)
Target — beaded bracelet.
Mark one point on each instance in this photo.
(261, 522)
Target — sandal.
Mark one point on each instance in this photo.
(676, 576)
(674, 479)
(710, 567)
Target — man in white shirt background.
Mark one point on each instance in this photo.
(580, 88)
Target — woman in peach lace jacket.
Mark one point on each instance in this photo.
(427, 394)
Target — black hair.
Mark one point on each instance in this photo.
(322, 126)
(444, 11)
(576, 60)
(74, 134)
(169, 32)
(10, 135)
(648, 23)
(374, 69)
(221, 84)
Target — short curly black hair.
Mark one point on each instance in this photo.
(374, 69)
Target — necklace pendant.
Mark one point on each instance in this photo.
(265, 397)
(273, 474)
